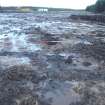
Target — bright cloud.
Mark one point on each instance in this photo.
(73, 4)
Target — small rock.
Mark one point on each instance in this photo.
(69, 60)
(86, 63)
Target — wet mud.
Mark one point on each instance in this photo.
(48, 59)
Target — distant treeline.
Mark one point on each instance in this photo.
(99, 7)
(28, 9)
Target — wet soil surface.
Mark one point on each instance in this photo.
(48, 59)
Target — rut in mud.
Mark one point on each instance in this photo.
(48, 59)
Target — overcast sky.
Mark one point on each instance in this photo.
(73, 4)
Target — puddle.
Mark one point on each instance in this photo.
(7, 61)
(17, 43)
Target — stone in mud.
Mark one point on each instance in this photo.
(86, 63)
(69, 60)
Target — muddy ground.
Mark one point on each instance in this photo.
(50, 59)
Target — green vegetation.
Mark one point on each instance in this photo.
(99, 6)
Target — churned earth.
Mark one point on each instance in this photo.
(50, 59)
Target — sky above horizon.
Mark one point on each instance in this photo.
(72, 4)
